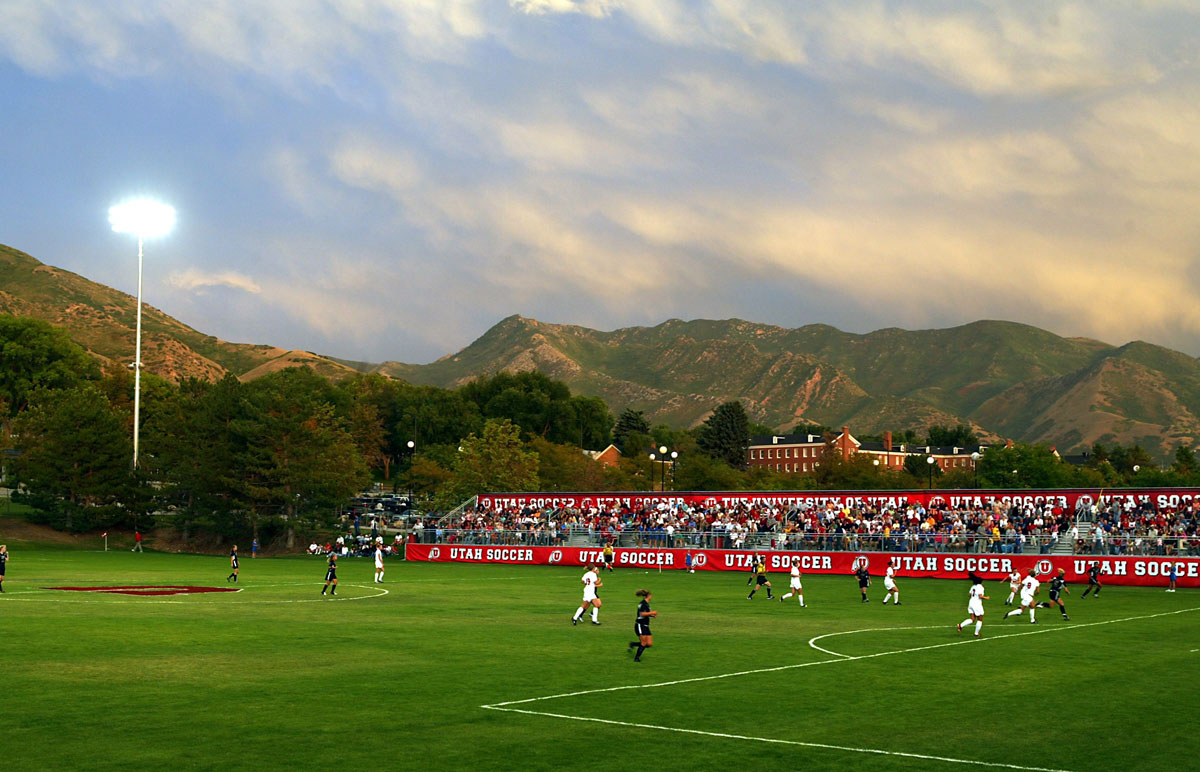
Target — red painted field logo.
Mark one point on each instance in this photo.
(151, 589)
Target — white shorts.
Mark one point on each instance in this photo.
(796, 584)
(889, 583)
(975, 608)
(1013, 587)
(589, 596)
(1026, 600)
(378, 565)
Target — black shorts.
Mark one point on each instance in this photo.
(1053, 595)
(863, 583)
(760, 580)
(1093, 582)
(330, 575)
(608, 558)
(641, 629)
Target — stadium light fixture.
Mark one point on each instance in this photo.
(146, 219)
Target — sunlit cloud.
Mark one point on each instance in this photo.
(613, 162)
(194, 279)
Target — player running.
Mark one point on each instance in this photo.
(863, 572)
(233, 564)
(3, 563)
(889, 584)
(1093, 580)
(1058, 585)
(379, 560)
(796, 588)
(760, 580)
(591, 582)
(331, 575)
(641, 625)
(1030, 586)
(1014, 584)
(974, 605)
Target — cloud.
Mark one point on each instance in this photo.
(596, 9)
(192, 279)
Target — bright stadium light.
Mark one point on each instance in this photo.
(143, 217)
(146, 219)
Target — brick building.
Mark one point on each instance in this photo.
(801, 453)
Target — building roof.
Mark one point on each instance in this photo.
(766, 440)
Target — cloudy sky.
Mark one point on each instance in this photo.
(386, 179)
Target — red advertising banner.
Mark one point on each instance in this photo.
(1114, 569)
(1069, 498)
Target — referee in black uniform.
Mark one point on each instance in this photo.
(331, 575)
(1093, 580)
(1058, 585)
(863, 573)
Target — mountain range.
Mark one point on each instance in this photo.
(1007, 380)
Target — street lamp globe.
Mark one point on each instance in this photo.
(412, 445)
(663, 450)
(674, 454)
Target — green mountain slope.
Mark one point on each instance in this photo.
(103, 321)
(1003, 378)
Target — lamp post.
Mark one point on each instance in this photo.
(975, 465)
(652, 457)
(929, 460)
(662, 467)
(146, 219)
(674, 457)
(411, 445)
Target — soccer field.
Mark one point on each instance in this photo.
(478, 667)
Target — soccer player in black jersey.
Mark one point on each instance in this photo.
(233, 565)
(3, 561)
(760, 579)
(1093, 580)
(641, 625)
(1058, 585)
(331, 575)
(864, 580)
(753, 569)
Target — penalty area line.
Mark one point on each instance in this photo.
(823, 746)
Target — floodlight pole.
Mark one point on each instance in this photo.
(137, 360)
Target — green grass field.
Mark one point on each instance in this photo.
(277, 677)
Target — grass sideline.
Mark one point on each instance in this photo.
(277, 677)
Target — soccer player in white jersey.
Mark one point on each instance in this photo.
(379, 560)
(796, 588)
(591, 581)
(889, 584)
(975, 606)
(1029, 588)
(1014, 583)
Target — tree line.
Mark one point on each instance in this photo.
(285, 451)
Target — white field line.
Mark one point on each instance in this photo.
(773, 740)
(1055, 628)
(55, 596)
(813, 641)
(503, 706)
